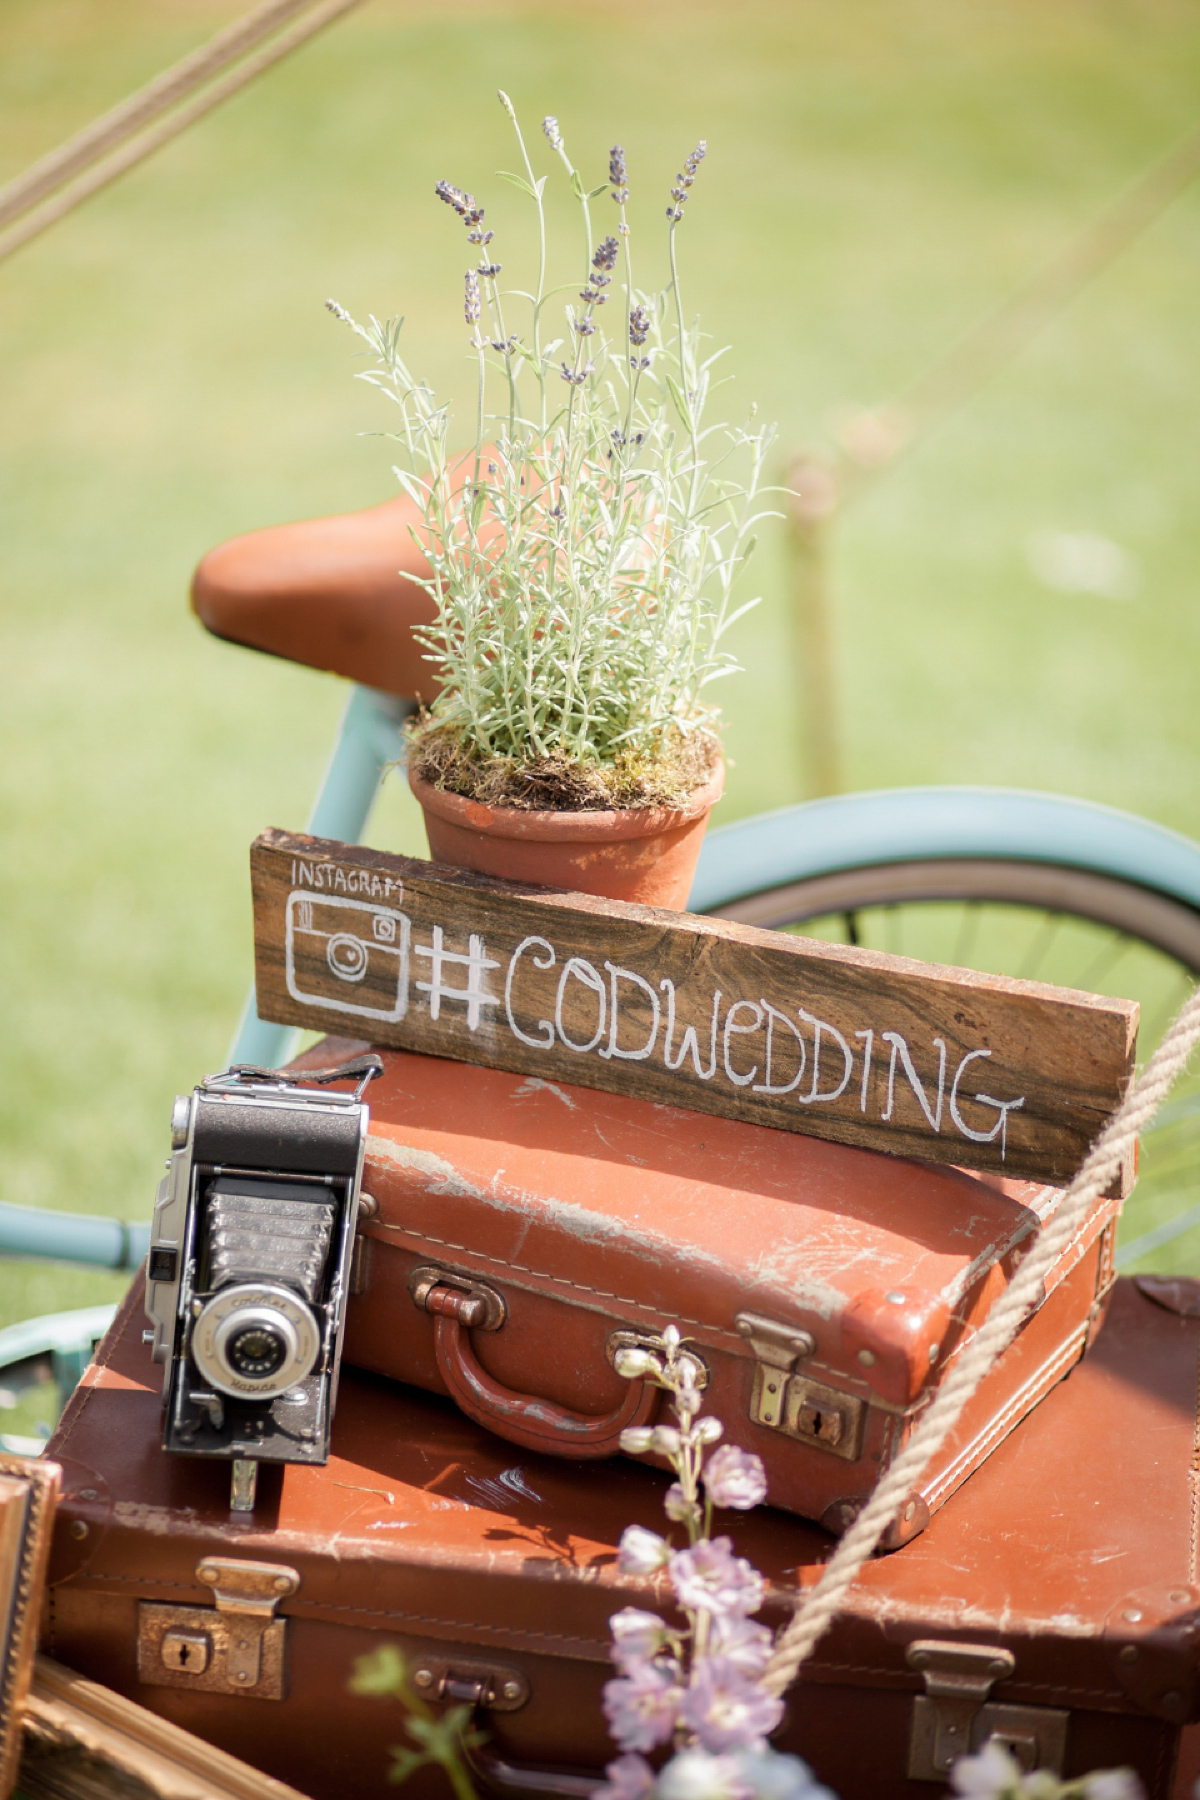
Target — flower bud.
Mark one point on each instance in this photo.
(687, 1403)
(709, 1430)
(677, 1506)
(665, 1440)
(636, 1439)
(641, 1552)
(632, 1363)
(671, 1337)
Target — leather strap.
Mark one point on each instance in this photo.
(365, 1067)
(522, 1418)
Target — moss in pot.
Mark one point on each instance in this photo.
(583, 555)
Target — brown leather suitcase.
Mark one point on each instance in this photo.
(527, 1231)
(1054, 1603)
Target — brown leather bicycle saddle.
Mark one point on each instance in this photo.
(336, 593)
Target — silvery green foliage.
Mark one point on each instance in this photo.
(584, 552)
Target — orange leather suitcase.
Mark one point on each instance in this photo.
(1055, 1603)
(526, 1232)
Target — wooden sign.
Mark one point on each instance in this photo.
(785, 1031)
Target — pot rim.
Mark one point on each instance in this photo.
(548, 826)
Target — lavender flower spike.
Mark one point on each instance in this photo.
(735, 1478)
(550, 127)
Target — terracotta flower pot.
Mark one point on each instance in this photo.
(646, 854)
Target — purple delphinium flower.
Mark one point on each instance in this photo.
(629, 1778)
(1114, 1784)
(641, 1552)
(745, 1644)
(734, 1477)
(988, 1776)
(642, 1707)
(772, 1775)
(726, 1711)
(695, 1775)
(636, 1635)
(710, 1578)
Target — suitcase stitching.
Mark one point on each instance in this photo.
(1000, 1424)
(1031, 1687)
(316, 1607)
(581, 1287)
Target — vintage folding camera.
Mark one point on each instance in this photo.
(249, 1264)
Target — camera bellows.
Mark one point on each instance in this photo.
(269, 1230)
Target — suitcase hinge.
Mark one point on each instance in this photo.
(236, 1647)
(497, 1687)
(954, 1717)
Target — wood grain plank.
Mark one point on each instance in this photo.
(836, 1041)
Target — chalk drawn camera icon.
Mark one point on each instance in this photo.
(349, 956)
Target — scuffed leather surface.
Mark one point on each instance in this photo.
(424, 1528)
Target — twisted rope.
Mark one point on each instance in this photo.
(89, 151)
(815, 1611)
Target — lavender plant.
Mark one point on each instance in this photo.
(584, 550)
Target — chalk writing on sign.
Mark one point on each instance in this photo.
(803, 1036)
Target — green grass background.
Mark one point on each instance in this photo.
(880, 173)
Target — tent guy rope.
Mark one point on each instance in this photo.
(112, 144)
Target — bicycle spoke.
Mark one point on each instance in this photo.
(1040, 944)
(1106, 962)
(968, 932)
(1152, 1029)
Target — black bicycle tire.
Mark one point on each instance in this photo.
(1156, 919)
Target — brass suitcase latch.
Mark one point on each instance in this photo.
(954, 1716)
(793, 1403)
(235, 1647)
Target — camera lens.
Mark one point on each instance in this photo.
(255, 1340)
(256, 1351)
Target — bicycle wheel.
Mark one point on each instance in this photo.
(1013, 915)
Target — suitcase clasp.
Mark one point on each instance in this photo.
(236, 1647)
(777, 1349)
(954, 1716)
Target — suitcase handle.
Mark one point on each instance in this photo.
(523, 1418)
